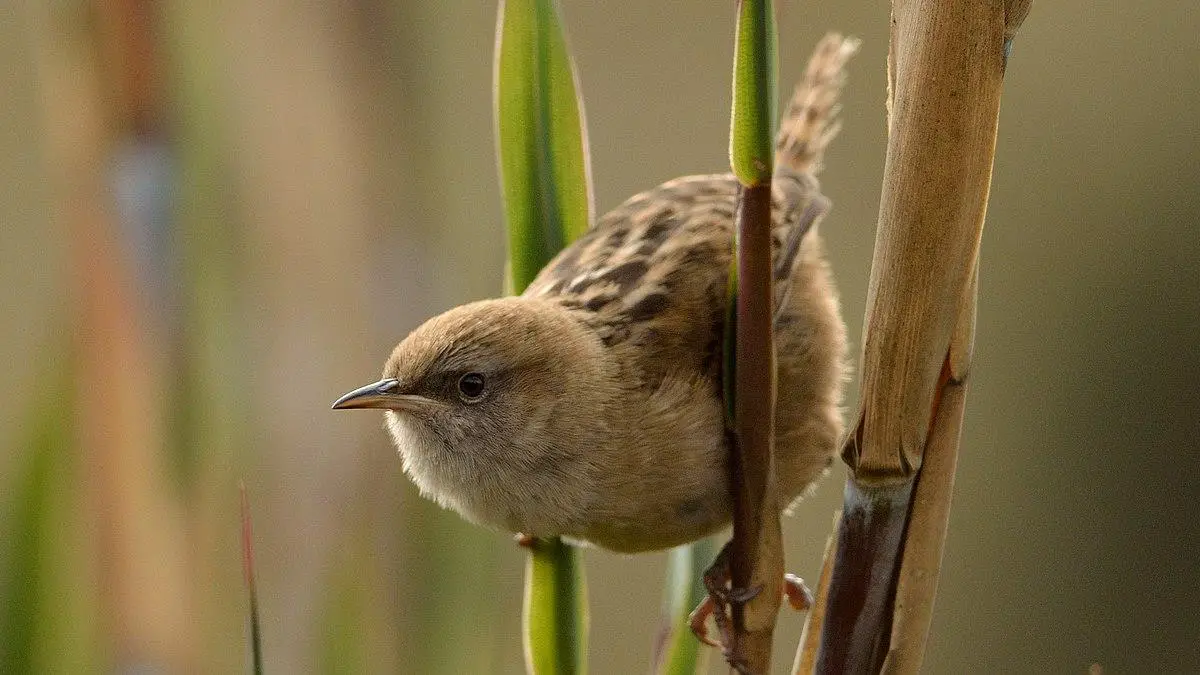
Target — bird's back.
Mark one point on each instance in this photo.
(651, 282)
(653, 273)
(651, 278)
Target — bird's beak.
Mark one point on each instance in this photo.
(384, 394)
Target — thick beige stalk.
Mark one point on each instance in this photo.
(945, 71)
(946, 66)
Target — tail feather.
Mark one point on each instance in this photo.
(811, 118)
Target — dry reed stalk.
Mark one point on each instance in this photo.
(946, 66)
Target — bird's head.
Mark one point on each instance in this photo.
(491, 400)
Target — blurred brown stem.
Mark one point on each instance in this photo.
(96, 85)
(810, 639)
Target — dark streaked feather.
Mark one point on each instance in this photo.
(652, 273)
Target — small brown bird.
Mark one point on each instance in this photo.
(590, 406)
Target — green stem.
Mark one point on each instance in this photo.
(556, 617)
(755, 117)
(756, 559)
(542, 148)
(679, 653)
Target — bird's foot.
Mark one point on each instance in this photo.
(524, 540)
(721, 596)
(717, 581)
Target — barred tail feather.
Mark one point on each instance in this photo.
(811, 118)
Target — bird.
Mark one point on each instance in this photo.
(591, 405)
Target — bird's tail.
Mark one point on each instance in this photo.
(811, 118)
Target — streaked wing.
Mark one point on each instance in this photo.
(653, 273)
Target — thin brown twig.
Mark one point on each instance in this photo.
(756, 560)
(810, 640)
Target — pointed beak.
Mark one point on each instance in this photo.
(375, 395)
(384, 394)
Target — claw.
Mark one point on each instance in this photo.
(720, 596)
(697, 619)
(716, 578)
(797, 594)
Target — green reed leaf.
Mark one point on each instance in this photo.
(541, 140)
(542, 146)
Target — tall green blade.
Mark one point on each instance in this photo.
(542, 146)
(540, 137)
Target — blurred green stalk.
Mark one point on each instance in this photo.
(542, 148)
(30, 616)
(679, 652)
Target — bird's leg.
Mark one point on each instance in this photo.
(716, 577)
(716, 581)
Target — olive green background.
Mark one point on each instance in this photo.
(357, 181)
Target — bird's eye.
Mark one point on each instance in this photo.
(471, 387)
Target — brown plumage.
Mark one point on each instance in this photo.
(590, 406)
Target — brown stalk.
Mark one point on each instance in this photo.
(811, 638)
(756, 560)
(945, 71)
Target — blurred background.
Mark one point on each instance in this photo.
(219, 216)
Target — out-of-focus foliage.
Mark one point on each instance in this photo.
(329, 170)
(45, 623)
(680, 652)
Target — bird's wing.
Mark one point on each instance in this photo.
(653, 274)
(797, 205)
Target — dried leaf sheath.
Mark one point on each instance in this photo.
(945, 66)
